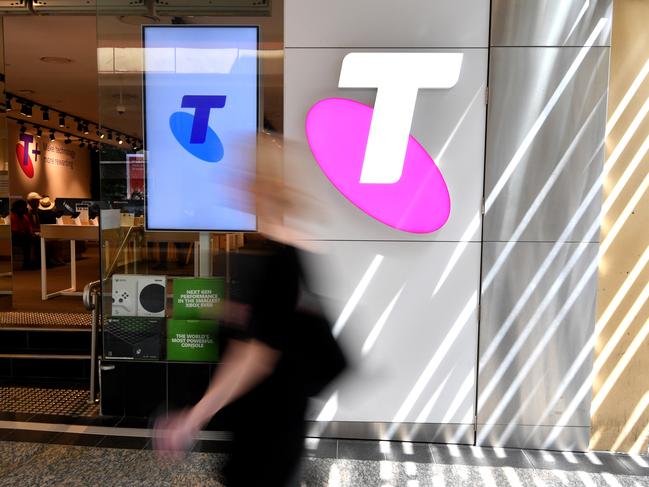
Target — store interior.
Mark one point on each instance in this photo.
(72, 140)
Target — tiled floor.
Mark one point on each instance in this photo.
(70, 401)
(53, 459)
(44, 320)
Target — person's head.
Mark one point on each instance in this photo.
(33, 199)
(282, 206)
(19, 207)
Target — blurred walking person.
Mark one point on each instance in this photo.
(279, 353)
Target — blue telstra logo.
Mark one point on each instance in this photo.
(193, 132)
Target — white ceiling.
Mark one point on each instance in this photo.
(77, 89)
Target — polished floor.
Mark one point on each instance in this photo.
(42, 458)
(27, 285)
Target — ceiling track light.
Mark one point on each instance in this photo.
(26, 110)
(82, 126)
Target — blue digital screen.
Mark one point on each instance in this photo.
(200, 121)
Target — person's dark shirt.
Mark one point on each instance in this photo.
(33, 218)
(20, 224)
(268, 281)
(47, 217)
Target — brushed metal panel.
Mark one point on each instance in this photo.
(428, 433)
(549, 22)
(450, 124)
(368, 23)
(536, 329)
(570, 438)
(545, 143)
(412, 351)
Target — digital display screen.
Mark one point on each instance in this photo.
(200, 121)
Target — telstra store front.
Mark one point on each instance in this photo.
(450, 157)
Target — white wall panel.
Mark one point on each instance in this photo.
(449, 123)
(386, 23)
(424, 352)
(412, 336)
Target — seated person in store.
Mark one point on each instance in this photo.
(33, 200)
(23, 235)
(47, 215)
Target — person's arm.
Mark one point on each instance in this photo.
(245, 364)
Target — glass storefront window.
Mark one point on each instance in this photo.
(162, 288)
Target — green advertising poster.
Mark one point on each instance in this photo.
(198, 298)
(192, 340)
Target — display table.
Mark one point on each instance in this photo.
(64, 232)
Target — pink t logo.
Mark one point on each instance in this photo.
(369, 154)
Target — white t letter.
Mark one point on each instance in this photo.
(397, 77)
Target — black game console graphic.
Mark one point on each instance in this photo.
(134, 337)
(152, 298)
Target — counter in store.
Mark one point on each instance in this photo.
(71, 233)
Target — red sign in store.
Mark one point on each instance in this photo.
(23, 154)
